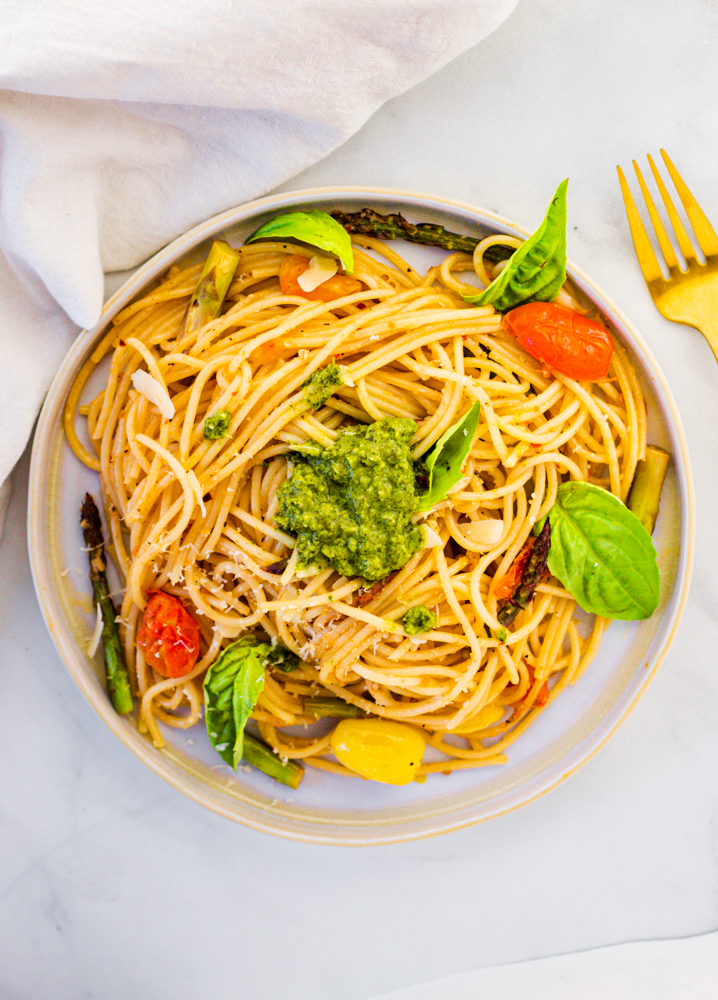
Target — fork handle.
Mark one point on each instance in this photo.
(708, 326)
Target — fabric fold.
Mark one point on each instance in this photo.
(122, 126)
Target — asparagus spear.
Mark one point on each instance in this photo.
(118, 681)
(332, 708)
(532, 575)
(213, 285)
(646, 487)
(395, 227)
(261, 755)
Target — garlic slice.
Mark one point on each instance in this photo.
(151, 389)
(320, 270)
(485, 532)
(432, 540)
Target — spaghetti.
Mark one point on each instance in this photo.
(195, 517)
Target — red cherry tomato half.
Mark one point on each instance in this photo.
(168, 635)
(562, 338)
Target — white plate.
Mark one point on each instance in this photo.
(327, 808)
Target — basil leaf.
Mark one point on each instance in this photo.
(537, 270)
(231, 688)
(316, 228)
(602, 553)
(444, 462)
(247, 687)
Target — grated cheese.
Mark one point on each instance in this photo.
(151, 389)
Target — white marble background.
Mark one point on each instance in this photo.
(112, 885)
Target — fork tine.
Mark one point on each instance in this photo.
(644, 250)
(683, 242)
(665, 243)
(707, 239)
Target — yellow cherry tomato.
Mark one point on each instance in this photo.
(484, 718)
(379, 749)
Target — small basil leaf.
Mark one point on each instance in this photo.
(231, 688)
(537, 270)
(602, 553)
(316, 228)
(218, 696)
(248, 684)
(444, 462)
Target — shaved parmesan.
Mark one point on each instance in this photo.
(486, 532)
(95, 638)
(320, 270)
(432, 539)
(194, 483)
(151, 389)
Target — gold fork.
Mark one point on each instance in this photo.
(686, 296)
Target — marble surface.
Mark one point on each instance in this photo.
(114, 885)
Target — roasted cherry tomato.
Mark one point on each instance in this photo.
(508, 583)
(333, 288)
(168, 635)
(562, 338)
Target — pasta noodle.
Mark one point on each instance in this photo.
(195, 517)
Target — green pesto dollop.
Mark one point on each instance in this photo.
(350, 505)
(217, 425)
(418, 619)
(321, 384)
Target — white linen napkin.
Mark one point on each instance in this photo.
(677, 969)
(124, 124)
